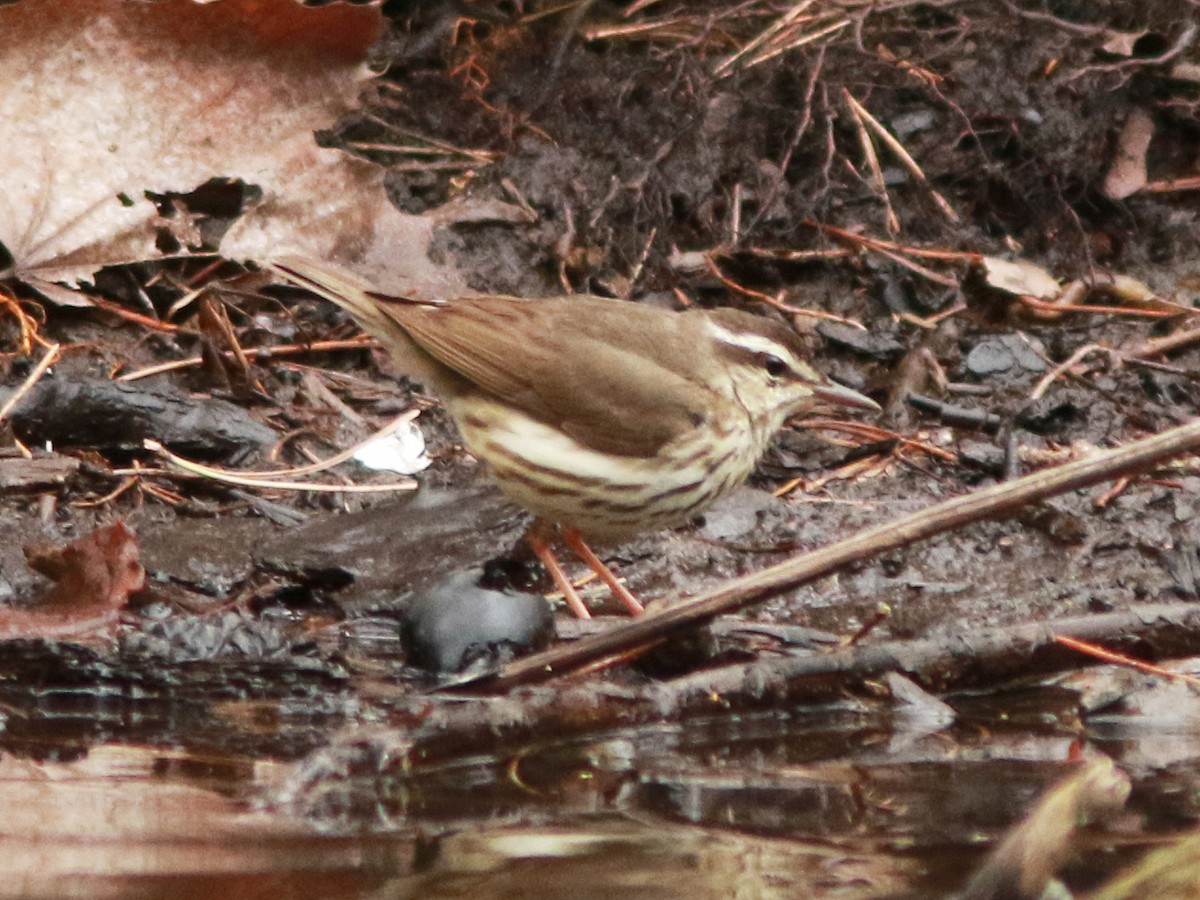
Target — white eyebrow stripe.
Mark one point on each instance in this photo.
(755, 343)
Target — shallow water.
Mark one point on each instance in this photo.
(838, 801)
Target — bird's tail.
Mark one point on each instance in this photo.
(351, 292)
(369, 307)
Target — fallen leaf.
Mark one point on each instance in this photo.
(1122, 43)
(108, 101)
(1127, 174)
(1019, 277)
(402, 451)
(93, 578)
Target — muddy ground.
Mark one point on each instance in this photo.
(254, 723)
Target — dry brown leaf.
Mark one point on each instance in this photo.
(1127, 174)
(1122, 43)
(1019, 277)
(106, 100)
(93, 577)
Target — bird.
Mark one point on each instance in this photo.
(604, 418)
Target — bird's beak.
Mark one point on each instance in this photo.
(836, 395)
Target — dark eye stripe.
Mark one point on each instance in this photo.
(774, 365)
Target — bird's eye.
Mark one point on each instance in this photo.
(775, 366)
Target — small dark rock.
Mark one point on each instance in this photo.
(682, 654)
(1059, 525)
(1002, 354)
(982, 455)
(875, 344)
(455, 623)
(910, 123)
(1183, 565)
(1049, 416)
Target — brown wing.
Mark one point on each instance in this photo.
(617, 377)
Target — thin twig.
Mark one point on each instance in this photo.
(900, 253)
(891, 220)
(1058, 309)
(1065, 366)
(874, 243)
(1166, 344)
(765, 35)
(792, 43)
(224, 475)
(775, 301)
(129, 315)
(1185, 183)
(1181, 44)
(257, 354)
(870, 432)
(1120, 659)
(338, 458)
(903, 155)
(49, 358)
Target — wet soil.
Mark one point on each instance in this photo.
(253, 728)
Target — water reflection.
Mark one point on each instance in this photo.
(839, 801)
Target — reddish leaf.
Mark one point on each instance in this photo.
(93, 578)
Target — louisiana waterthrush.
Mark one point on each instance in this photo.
(602, 418)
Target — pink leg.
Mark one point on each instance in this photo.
(542, 550)
(575, 542)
